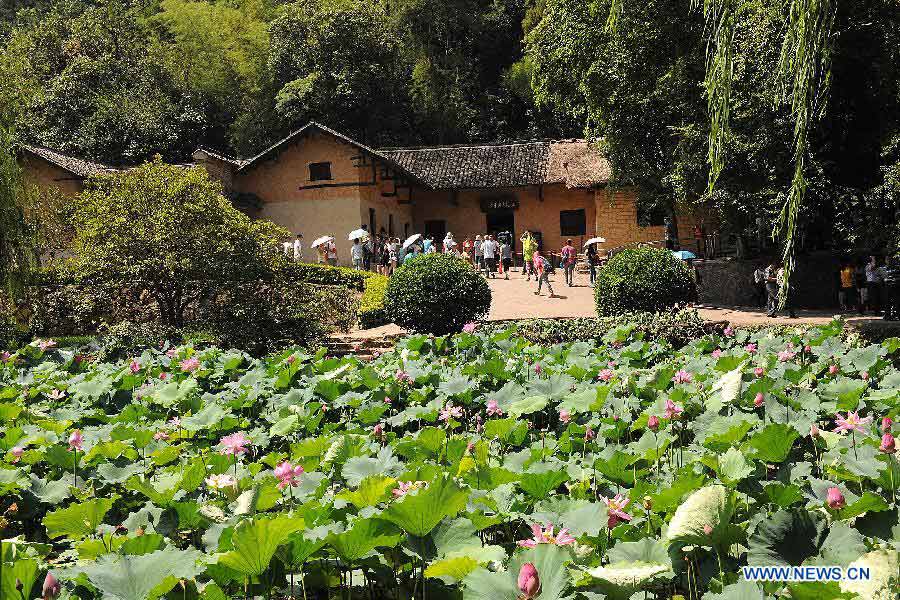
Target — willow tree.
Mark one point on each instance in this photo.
(17, 252)
(803, 81)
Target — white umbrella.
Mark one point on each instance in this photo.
(319, 241)
(357, 234)
(596, 240)
(412, 240)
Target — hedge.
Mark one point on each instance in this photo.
(371, 305)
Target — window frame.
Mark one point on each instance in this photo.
(313, 166)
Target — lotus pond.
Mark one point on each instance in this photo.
(476, 466)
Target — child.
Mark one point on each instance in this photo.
(542, 270)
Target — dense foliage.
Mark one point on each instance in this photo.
(371, 304)
(436, 293)
(643, 279)
(210, 474)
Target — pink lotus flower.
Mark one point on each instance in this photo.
(888, 444)
(403, 377)
(537, 368)
(813, 430)
(589, 434)
(886, 423)
(605, 375)
(759, 372)
(51, 588)
(833, 369)
(865, 375)
(729, 331)
(403, 487)
(175, 422)
(190, 365)
(17, 453)
(529, 582)
(234, 444)
(56, 395)
(135, 366)
(160, 435)
(750, 348)
(292, 359)
(5, 356)
(45, 345)
(545, 536)
(163, 375)
(682, 376)
(707, 529)
(616, 509)
(469, 328)
(493, 409)
(653, 423)
(835, 499)
(852, 422)
(759, 400)
(387, 400)
(611, 364)
(171, 352)
(450, 412)
(76, 440)
(786, 355)
(219, 482)
(673, 411)
(807, 348)
(288, 475)
(564, 416)
(378, 430)
(717, 353)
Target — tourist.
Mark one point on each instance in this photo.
(479, 255)
(468, 248)
(592, 260)
(288, 247)
(542, 272)
(297, 249)
(506, 257)
(489, 250)
(568, 256)
(847, 293)
(331, 249)
(873, 286)
(416, 251)
(322, 253)
(759, 285)
(356, 255)
(401, 251)
(528, 248)
(368, 251)
(771, 289)
(449, 244)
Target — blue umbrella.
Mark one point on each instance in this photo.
(685, 255)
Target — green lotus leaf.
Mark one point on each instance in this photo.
(528, 405)
(541, 485)
(711, 506)
(549, 560)
(255, 541)
(788, 537)
(24, 571)
(620, 581)
(733, 467)
(364, 536)
(420, 512)
(742, 590)
(773, 443)
(144, 576)
(78, 520)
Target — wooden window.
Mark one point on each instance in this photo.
(572, 222)
(320, 171)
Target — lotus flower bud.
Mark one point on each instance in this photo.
(648, 503)
(707, 529)
(529, 582)
(759, 371)
(888, 444)
(832, 370)
(759, 400)
(813, 430)
(865, 375)
(886, 423)
(653, 423)
(51, 588)
(835, 498)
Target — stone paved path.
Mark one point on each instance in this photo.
(515, 299)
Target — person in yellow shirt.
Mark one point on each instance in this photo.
(528, 248)
(847, 293)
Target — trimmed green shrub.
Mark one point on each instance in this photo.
(643, 279)
(371, 305)
(436, 293)
(326, 275)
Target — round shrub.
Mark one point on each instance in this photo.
(643, 279)
(436, 293)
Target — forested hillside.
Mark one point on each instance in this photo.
(121, 80)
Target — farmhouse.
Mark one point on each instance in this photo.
(317, 181)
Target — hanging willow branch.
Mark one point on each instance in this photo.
(615, 9)
(17, 256)
(805, 76)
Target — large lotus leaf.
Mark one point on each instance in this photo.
(733, 467)
(452, 569)
(685, 480)
(586, 400)
(549, 560)
(742, 590)
(580, 517)
(868, 502)
(145, 576)
(884, 576)
(845, 391)
(172, 393)
(359, 467)
(541, 485)
(710, 506)
(788, 537)
(556, 387)
(364, 536)
(619, 581)
(843, 545)
(301, 545)
(254, 542)
(52, 492)
(371, 491)
(773, 443)
(420, 512)
(646, 550)
(78, 520)
(211, 415)
(528, 405)
(728, 387)
(24, 571)
(110, 473)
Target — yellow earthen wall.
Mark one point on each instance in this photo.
(617, 219)
(44, 175)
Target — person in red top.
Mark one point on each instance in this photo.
(569, 255)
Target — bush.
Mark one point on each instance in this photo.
(371, 305)
(326, 275)
(436, 293)
(643, 279)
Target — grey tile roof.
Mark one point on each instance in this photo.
(574, 163)
(77, 166)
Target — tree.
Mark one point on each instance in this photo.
(169, 231)
(17, 250)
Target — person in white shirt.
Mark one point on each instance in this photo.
(298, 248)
(356, 255)
(331, 253)
(489, 249)
(288, 248)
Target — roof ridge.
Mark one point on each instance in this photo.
(466, 145)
